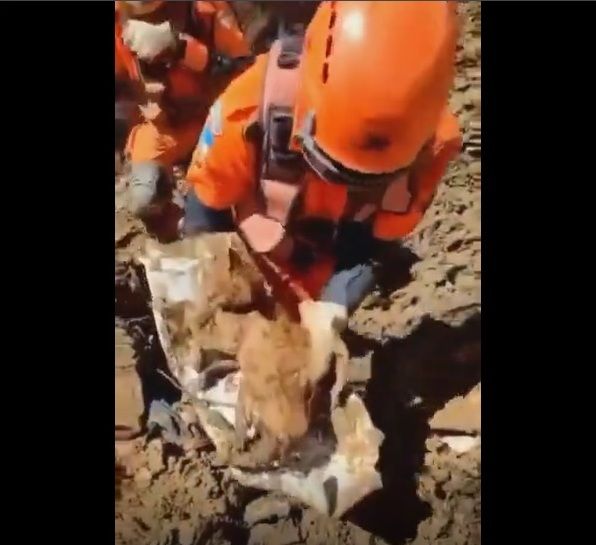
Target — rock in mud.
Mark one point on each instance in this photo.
(359, 369)
(266, 508)
(155, 457)
(451, 485)
(460, 414)
(143, 477)
(317, 529)
(282, 533)
(129, 394)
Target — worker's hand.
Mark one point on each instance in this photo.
(149, 41)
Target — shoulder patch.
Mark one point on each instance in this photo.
(214, 119)
(211, 129)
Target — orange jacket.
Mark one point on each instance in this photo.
(224, 172)
(187, 80)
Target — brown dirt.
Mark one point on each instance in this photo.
(272, 357)
(129, 393)
(415, 356)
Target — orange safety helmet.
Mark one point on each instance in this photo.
(374, 78)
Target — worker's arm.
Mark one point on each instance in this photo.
(222, 168)
(228, 37)
(426, 176)
(228, 40)
(153, 43)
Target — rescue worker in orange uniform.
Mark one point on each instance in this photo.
(176, 57)
(330, 148)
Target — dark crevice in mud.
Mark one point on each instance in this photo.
(222, 532)
(130, 291)
(395, 272)
(152, 360)
(133, 314)
(357, 345)
(435, 363)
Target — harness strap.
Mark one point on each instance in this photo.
(264, 216)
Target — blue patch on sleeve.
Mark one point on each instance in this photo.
(215, 118)
(206, 138)
(211, 129)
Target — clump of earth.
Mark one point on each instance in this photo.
(415, 360)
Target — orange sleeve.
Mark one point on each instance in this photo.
(223, 164)
(196, 52)
(123, 63)
(126, 67)
(227, 35)
(425, 178)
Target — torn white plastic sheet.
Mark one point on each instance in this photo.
(332, 488)
(193, 279)
(345, 479)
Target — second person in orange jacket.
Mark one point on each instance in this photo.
(174, 58)
(343, 136)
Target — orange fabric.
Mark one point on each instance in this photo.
(228, 37)
(396, 59)
(124, 62)
(425, 178)
(163, 143)
(227, 173)
(322, 199)
(313, 279)
(220, 22)
(187, 79)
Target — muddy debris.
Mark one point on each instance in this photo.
(130, 404)
(460, 415)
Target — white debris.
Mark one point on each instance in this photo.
(461, 443)
(350, 474)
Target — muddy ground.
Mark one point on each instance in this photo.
(415, 349)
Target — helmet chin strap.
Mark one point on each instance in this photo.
(333, 171)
